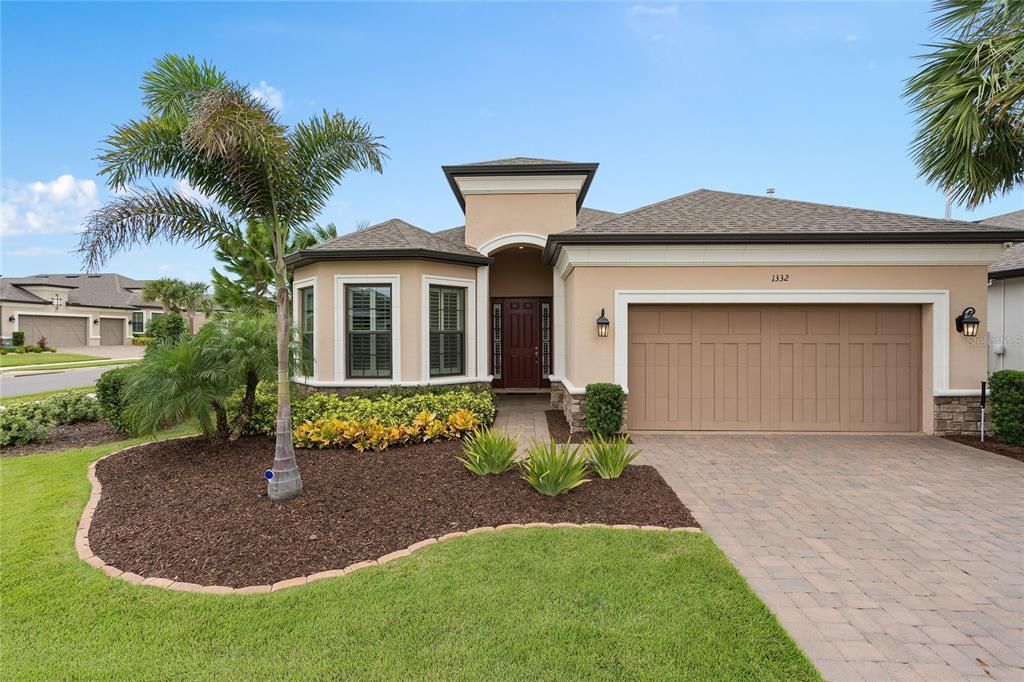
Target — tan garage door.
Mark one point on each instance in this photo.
(59, 331)
(111, 331)
(775, 368)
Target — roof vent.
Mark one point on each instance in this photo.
(770, 192)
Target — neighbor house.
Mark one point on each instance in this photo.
(712, 310)
(1006, 301)
(75, 309)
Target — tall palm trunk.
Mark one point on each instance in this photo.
(286, 482)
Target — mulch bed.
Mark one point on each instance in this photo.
(194, 512)
(558, 428)
(991, 445)
(60, 438)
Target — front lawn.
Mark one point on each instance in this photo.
(30, 397)
(23, 359)
(521, 604)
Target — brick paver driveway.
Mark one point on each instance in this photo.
(886, 557)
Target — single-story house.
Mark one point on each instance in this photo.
(75, 309)
(712, 310)
(1006, 301)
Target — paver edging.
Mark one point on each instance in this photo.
(86, 554)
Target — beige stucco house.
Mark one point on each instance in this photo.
(1006, 301)
(75, 309)
(724, 311)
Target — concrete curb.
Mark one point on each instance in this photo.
(86, 554)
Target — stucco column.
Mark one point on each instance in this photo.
(558, 357)
(483, 316)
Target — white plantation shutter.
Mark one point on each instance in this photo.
(447, 330)
(368, 318)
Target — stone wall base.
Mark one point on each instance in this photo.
(959, 415)
(357, 390)
(572, 406)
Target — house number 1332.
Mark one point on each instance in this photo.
(780, 278)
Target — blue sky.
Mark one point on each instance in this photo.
(804, 97)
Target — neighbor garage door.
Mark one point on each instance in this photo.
(59, 331)
(111, 331)
(775, 368)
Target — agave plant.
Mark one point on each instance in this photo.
(553, 469)
(609, 457)
(489, 451)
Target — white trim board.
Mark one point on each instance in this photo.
(770, 255)
(520, 184)
(512, 239)
(384, 383)
(469, 325)
(339, 330)
(937, 298)
(308, 283)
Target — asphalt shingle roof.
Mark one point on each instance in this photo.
(394, 235)
(710, 212)
(1013, 258)
(108, 290)
(586, 216)
(516, 161)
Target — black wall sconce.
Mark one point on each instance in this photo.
(95, 320)
(966, 323)
(11, 318)
(602, 325)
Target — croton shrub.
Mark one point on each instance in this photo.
(402, 408)
(371, 434)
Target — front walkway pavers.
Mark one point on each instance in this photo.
(886, 557)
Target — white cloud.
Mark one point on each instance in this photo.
(189, 192)
(54, 207)
(269, 94)
(35, 251)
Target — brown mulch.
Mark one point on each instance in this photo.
(60, 438)
(991, 445)
(194, 512)
(558, 428)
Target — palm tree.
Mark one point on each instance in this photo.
(192, 298)
(969, 98)
(166, 290)
(206, 130)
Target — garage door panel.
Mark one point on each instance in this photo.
(796, 368)
(58, 330)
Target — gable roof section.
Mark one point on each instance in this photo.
(517, 161)
(1012, 262)
(391, 239)
(107, 290)
(706, 216)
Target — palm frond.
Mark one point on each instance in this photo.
(143, 217)
(170, 87)
(323, 150)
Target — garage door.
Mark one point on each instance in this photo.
(775, 368)
(59, 331)
(111, 331)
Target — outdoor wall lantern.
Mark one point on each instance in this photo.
(602, 325)
(11, 318)
(56, 301)
(96, 320)
(966, 323)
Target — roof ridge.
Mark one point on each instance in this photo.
(646, 206)
(840, 206)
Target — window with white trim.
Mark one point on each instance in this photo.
(368, 328)
(447, 330)
(496, 339)
(138, 322)
(306, 330)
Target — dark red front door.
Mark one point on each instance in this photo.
(521, 342)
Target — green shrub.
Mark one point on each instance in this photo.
(489, 451)
(141, 340)
(1007, 398)
(605, 406)
(553, 469)
(19, 426)
(71, 407)
(110, 392)
(18, 338)
(168, 329)
(609, 457)
(389, 409)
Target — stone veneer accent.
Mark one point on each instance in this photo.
(349, 390)
(959, 415)
(85, 553)
(574, 407)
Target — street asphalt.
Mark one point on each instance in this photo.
(22, 383)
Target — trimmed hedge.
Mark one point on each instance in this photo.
(142, 340)
(1007, 398)
(29, 422)
(18, 338)
(605, 409)
(390, 408)
(110, 393)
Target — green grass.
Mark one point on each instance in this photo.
(29, 397)
(98, 363)
(21, 359)
(525, 604)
